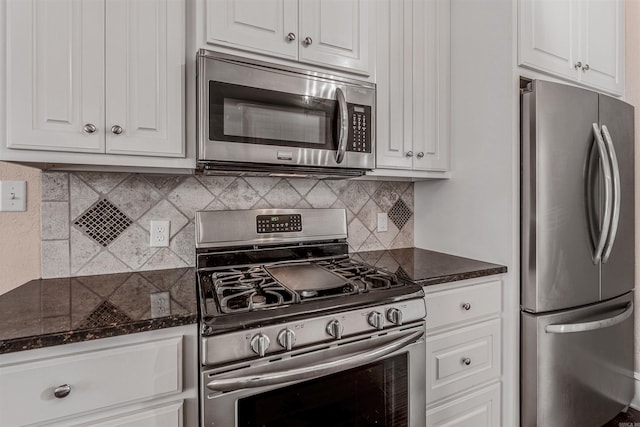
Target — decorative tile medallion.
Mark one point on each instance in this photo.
(400, 213)
(103, 315)
(103, 222)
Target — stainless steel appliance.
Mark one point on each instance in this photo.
(259, 117)
(296, 333)
(577, 256)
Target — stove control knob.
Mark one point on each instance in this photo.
(287, 338)
(375, 319)
(335, 328)
(260, 344)
(394, 316)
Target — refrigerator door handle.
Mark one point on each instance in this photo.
(568, 328)
(615, 217)
(606, 170)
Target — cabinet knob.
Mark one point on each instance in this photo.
(307, 41)
(89, 128)
(117, 129)
(291, 37)
(466, 361)
(585, 67)
(420, 155)
(409, 154)
(577, 65)
(466, 306)
(62, 391)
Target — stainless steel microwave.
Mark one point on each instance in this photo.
(262, 118)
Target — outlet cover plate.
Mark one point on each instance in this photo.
(383, 222)
(13, 196)
(159, 234)
(160, 304)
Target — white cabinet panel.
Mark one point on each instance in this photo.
(579, 40)
(257, 25)
(335, 33)
(169, 415)
(144, 91)
(98, 379)
(478, 409)
(54, 80)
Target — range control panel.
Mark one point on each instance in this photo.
(359, 128)
(278, 223)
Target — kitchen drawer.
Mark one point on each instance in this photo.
(477, 409)
(463, 304)
(461, 359)
(98, 379)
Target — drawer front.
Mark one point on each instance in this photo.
(98, 379)
(461, 359)
(167, 415)
(478, 409)
(463, 304)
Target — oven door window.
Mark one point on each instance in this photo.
(259, 116)
(371, 395)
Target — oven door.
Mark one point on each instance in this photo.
(255, 114)
(376, 380)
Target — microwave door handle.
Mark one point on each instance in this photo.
(615, 216)
(314, 371)
(606, 171)
(343, 125)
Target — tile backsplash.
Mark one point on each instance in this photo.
(98, 223)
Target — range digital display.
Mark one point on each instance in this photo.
(278, 224)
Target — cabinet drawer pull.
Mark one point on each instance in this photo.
(291, 37)
(466, 361)
(62, 391)
(586, 67)
(466, 306)
(307, 41)
(577, 65)
(409, 154)
(117, 129)
(420, 155)
(89, 128)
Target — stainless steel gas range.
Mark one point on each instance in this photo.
(296, 333)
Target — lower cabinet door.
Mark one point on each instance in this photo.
(164, 415)
(478, 409)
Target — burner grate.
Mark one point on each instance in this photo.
(367, 277)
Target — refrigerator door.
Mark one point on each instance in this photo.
(558, 271)
(577, 365)
(618, 270)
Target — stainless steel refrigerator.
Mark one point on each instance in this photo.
(577, 256)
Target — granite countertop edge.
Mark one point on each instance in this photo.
(461, 276)
(74, 336)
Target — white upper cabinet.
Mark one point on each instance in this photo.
(95, 77)
(413, 88)
(578, 40)
(336, 34)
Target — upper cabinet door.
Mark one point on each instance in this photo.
(603, 46)
(264, 26)
(549, 39)
(55, 80)
(145, 57)
(336, 33)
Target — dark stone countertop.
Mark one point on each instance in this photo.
(48, 312)
(426, 267)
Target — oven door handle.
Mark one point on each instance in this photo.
(343, 125)
(321, 369)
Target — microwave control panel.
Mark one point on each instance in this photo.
(359, 128)
(278, 223)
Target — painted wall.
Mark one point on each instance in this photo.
(475, 213)
(20, 231)
(632, 92)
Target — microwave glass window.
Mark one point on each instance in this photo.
(252, 115)
(278, 123)
(371, 395)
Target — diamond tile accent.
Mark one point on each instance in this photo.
(104, 222)
(400, 214)
(103, 315)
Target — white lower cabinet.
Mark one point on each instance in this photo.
(140, 379)
(464, 353)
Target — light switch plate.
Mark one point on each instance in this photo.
(383, 222)
(13, 196)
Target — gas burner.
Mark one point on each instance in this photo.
(367, 277)
(248, 288)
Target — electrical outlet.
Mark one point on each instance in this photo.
(159, 233)
(160, 304)
(383, 223)
(13, 196)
